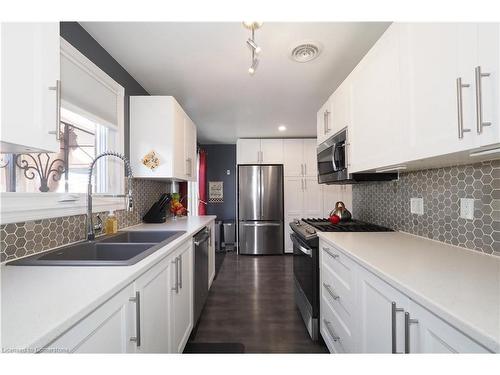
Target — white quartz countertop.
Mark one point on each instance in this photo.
(38, 303)
(461, 286)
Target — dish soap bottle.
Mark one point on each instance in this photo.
(111, 223)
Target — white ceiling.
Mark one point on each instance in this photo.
(204, 66)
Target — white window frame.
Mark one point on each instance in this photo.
(19, 207)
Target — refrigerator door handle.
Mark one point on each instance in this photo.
(261, 224)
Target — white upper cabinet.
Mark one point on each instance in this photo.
(310, 158)
(293, 150)
(189, 149)
(271, 151)
(341, 107)
(259, 151)
(323, 120)
(376, 130)
(425, 95)
(248, 151)
(159, 124)
(488, 62)
(299, 157)
(30, 97)
(437, 73)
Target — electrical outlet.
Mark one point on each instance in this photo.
(467, 208)
(228, 172)
(417, 206)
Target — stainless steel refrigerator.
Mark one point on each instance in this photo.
(260, 209)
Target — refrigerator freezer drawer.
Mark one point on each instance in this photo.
(260, 237)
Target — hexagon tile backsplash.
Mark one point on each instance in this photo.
(388, 204)
(31, 237)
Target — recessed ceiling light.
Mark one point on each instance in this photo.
(282, 128)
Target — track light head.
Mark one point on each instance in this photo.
(253, 68)
(253, 46)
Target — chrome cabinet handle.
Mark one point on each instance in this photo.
(302, 169)
(176, 287)
(180, 271)
(479, 100)
(330, 291)
(324, 123)
(333, 255)
(460, 112)
(305, 169)
(326, 120)
(408, 321)
(137, 300)
(57, 89)
(302, 183)
(394, 310)
(330, 330)
(189, 167)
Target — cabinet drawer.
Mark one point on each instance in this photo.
(340, 264)
(337, 334)
(338, 293)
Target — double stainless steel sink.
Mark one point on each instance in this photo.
(121, 249)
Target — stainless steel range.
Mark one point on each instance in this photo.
(306, 263)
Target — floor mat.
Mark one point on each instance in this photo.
(214, 347)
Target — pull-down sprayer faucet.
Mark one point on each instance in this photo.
(129, 204)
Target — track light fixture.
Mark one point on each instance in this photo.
(253, 46)
(256, 50)
(253, 68)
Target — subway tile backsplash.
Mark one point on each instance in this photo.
(388, 204)
(31, 237)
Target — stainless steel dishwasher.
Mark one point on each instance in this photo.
(200, 241)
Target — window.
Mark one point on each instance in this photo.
(67, 171)
(54, 184)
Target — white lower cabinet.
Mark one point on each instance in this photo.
(106, 330)
(151, 300)
(430, 334)
(361, 313)
(181, 298)
(153, 314)
(381, 315)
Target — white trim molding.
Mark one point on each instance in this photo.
(20, 207)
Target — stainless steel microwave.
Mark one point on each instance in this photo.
(333, 163)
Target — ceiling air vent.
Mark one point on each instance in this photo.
(305, 52)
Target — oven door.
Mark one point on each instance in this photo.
(306, 275)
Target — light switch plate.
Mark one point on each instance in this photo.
(417, 206)
(467, 208)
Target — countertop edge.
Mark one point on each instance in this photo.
(145, 264)
(469, 329)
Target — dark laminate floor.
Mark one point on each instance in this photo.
(251, 302)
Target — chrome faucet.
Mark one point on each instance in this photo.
(129, 204)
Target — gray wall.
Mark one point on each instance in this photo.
(388, 204)
(221, 158)
(79, 38)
